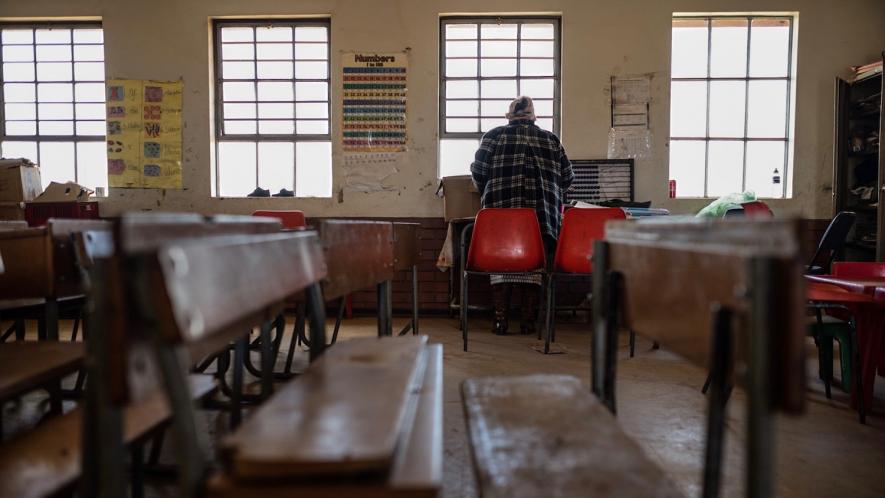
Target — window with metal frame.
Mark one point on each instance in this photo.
(53, 95)
(485, 62)
(731, 105)
(272, 112)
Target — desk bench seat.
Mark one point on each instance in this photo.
(547, 435)
(25, 366)
(45, 461)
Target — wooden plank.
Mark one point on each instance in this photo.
(344, 415)
(207, 285)
(13, 224)
(47, 460)
(65, 270)
(25, 366)
(417, 471)
(546, 435)
(27, 257)
(406, 250)
(148, 231)
(359, 255)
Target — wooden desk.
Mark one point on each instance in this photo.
(406, 253)
(25, 366)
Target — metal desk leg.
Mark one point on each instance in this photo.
(415, 300)
(50, 317)
(384, 309)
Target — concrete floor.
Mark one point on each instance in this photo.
(823, 453)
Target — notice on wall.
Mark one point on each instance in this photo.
(630, 136)
(144, 133)
(374, 102)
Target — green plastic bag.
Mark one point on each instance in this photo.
(717, 208)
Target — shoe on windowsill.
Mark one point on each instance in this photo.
(259, 192)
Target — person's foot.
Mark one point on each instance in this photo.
(499, 327)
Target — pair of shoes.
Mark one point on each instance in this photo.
(284, 193)
(259, 192)
(499, 327)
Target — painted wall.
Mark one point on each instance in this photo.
(170, 39)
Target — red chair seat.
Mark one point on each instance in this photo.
(859, 270)
(580, 229)
(506, 240)
(291, 219)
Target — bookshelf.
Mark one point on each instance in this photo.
(859, 168)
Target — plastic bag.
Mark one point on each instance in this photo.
(717, 208)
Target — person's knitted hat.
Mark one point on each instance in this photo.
(521, 108)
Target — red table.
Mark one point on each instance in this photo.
(866, 300)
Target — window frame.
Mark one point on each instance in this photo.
(257, 138)
(519, 20)
(787, 140)
(74, 137)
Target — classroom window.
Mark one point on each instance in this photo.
(730, 105)
(52, 93)
(272, 125)
(484, 64)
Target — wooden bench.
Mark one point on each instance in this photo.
(726, 295)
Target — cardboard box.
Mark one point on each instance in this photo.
(64, 192)
(460, 197)
(19, 180)
(12, 211)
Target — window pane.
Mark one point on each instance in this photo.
(689, 55)
(240, 127)
(55, 92)
(543, 107)
(314, 34)
(12, 35)
(461, 49)
(688, 109)
(275, 70)
(91, 128)
(545, 123)
(312, 110)
(233, 51)
(537, 89)
(726, 165)
(239, 111)
(53, 53)
(487, 124)
(90, 111)
(239, 91)
(312, 91)
(56, 162)
(498, 67)
(19, 128)
(495, 108)
(501, 89)
(728, 55)
(498, 48)
(462, 108)
(536, 67)
(455, 156)
(687, 167)
(727, 108)
(311, 70)
(278, 51)
(52, 35)
(537, 31)
(769, 47)
(462, 89)
(88, 71)
(18, 71)
(767, 112)
(273, 33)
(56, 128)
(18, 53)
(92, 163)
(276, 166)
(456, 68)
(236, 34)
(456, 125)
(21, 111)
(238, 70)
(236, 168)
(89, 92)
(461, 31)
(275, 91)
(88, 52)
(537, 49)
(505, 31)
(284, 111)
(89, 35)
(312, 127)
(762, 159)
(313, 169)
(19, 149)
(19, 92)
(276, 127)
(313, 51)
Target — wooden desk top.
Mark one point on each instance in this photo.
(28, 365)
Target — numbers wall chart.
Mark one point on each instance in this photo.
(374, 102)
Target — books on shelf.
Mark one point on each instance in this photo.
(867, 70)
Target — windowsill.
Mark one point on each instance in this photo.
(270, 198)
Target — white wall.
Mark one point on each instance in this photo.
(170, 39)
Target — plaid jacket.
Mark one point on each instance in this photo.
(520, 165)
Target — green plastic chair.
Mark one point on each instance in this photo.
(824, 330)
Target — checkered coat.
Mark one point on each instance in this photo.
(520, 165)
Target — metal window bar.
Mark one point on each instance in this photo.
(746, 139)
(519, 21)
(257, 138)
(38, 138)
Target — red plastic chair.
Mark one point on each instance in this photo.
(504, 241)
(859, 270)
(580, 229)
(757, 209)
(291, 219)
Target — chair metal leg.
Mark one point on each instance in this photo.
(236, 399)
(267, 360)
(296, 334)
(75, 329)
(341, 307)
(385, 311)
(316, 307)
(137, 469)
(719, 374)
(50, 317)
(414, 299)
(464, 307)
(858, 374)
(632, 343)
(550, 310)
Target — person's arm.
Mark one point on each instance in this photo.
(482, 163)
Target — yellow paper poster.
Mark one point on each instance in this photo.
(144, 133)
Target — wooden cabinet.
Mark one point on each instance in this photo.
(859, 168)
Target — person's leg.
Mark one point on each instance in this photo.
(501, 300)
(531, 294)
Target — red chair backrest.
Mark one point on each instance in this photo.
(757, 209)
(580, 228)
(290, 219)
(506, 240)
(859, 270)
